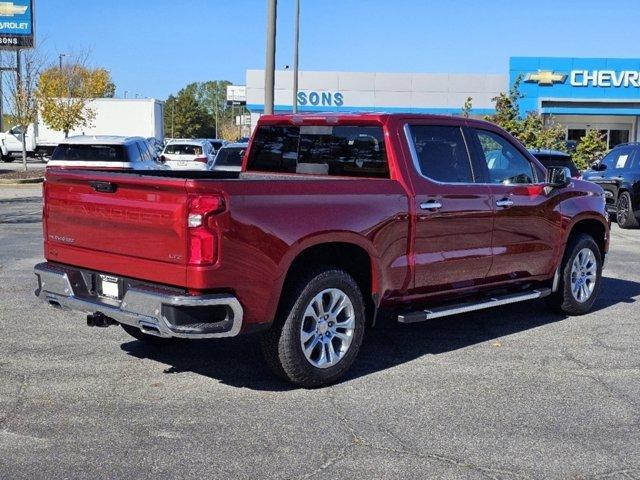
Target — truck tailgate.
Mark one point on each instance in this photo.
(130, 221)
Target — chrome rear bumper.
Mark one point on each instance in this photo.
(143, 306)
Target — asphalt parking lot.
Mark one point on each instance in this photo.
(511, 393)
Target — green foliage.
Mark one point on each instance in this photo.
(64, 93)
(193, 112)
(591, 147)
(532, 131)
(507, 113)
(467, 107)
(186, 117)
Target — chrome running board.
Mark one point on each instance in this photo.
(423, 315)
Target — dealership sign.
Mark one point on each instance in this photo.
(16, 24)
(324, 99)
(587, 78)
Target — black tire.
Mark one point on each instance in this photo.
(564, 301)
(146, 338)
(624, 212)
(281, 345)
(8, 159)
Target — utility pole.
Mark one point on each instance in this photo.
(173, 113)
(18, 70)
(296, 44)
(217, 104)
(270, 64)
(60, 57)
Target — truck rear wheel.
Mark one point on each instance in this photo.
(580, 277)
(7, 158)
(319, 331)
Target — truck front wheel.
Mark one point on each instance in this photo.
(580, 277)
(319, 331)
(7, 158)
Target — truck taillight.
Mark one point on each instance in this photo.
(202, 228)
(201, 159)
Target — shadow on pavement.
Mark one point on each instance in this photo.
(238, 362)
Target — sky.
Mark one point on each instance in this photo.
(155, 47)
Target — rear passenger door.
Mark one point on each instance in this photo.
(527, 225)
(454, 214)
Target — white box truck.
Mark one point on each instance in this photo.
(114, 116)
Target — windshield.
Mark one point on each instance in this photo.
(217, 145)
(90, 153)
(183, 149)
(230, 157)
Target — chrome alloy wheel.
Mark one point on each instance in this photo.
(327, 328)
(583, 275)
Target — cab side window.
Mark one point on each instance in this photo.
(441, 153)
(619, 159)
(505, 164)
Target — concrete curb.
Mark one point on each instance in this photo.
(20, 181)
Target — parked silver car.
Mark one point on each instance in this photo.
(229, 158)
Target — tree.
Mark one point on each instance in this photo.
(186, 117)
(212, 95)
(467, 107)
(64, 94)
(532, 131)
(507, 113)
(22, 93)
(590, 148)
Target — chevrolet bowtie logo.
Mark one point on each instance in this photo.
(9, 9)
(545, 77)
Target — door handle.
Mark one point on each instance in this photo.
(504, 203)
(431, 205)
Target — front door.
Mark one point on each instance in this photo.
(454, 215)
(527, 225)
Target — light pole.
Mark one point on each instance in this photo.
(296, 43)
(60, 57)
(270, 64)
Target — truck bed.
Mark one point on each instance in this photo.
(135, 225)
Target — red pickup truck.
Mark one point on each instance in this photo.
(333, 219)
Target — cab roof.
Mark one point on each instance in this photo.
(334, 118)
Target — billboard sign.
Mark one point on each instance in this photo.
(17, 24)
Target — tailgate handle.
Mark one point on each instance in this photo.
(104, 187)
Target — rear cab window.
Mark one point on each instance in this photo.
(341, 150)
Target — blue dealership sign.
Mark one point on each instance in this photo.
(16, 24)
(575, 86)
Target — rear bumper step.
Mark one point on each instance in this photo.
(154, 310)
(448, 310)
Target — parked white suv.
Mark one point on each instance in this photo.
(106, 152)
(187, 154)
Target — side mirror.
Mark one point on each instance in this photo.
(558, 177)
(162, 158)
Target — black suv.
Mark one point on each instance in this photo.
(618, 173)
